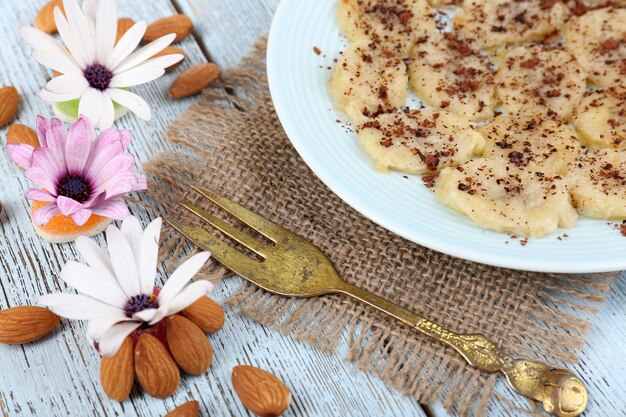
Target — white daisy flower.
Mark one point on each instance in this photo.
(119, 295)
(96, 70)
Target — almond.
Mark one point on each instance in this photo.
(179, 24)
(117, 372)
(26, 324)
(9, 100)
(189, 409)
(155, 369)
(19, 133)
(260, 392)
(123, 24)
(194, 80)
(168, 51)
(45, 18)
(189, 346)
(206, 313)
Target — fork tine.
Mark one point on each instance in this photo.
(267, 228)
(255, 245)
(225, 254)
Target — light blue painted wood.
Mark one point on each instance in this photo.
(59, 375)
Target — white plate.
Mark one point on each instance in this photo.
(297, 79)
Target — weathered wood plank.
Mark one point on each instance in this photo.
(59, 375)
(227, 29)
(602, 362)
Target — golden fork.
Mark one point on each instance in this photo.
(293, 267)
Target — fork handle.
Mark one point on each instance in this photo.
(560, 391)
(477, 350)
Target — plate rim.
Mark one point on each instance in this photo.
(473, 254)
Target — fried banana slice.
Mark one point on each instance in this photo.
(419, 141)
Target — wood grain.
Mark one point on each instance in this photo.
(59, 376)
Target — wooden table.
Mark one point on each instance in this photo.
(59, 375)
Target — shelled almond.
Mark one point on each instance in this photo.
(9, 101)
(189, 409)
(45, 18)
(117, 372)
(260, 392)
(25, 324)
(179, 24)
(188, 345)
(156, 371)
(194, 80)
(206, 314)
(19, 133)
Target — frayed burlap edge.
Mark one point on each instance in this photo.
(388, 350)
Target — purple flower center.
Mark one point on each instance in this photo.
(98, 76)
(139, 303)
(74, 187)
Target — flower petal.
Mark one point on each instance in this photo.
(141, 184)
(127, 44)
(40, 195)
(106, 29)
(78, 144)
(132, 231)
(67, 84)
(146, 315)
(21, 154)
(182, 275)
(96, 328)
(41, 178)
(42, 126)
(56, 135)
(82, 29)
(124, 162)
(81, 217)
(79, 307)
(46, 159)
(104, 149)
(42, 216)
(144, 53)
(141, 74)
(131, 101)
(95, 256)
(165, 60)
(68, 206)
(51, 97)
(189, 295)
(91, 104)
(120, 184)
(149, 255)
(50, 51)
(90, 282)
(107, 115)
(70, 38)
(112, 209)
(123, 261)
(90, 9)
(111, 341)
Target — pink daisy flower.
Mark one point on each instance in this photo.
(79, 173)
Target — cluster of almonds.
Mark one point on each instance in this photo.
(154, 355)
(190, 82)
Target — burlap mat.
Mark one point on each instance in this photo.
(233, 143)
